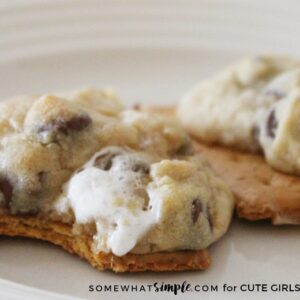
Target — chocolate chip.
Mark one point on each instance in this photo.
(104, 161)
(41, 176)
(77, 123)
(272, 124)
(65, 126)
(141, 167)
(6, 188)
(197, 208)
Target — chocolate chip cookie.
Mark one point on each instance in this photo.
(119, 182)
(253, 106)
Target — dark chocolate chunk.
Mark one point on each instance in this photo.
(6, 189)
(65, 126)
(272, 124)
(197, 208)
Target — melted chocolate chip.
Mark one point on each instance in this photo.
(197, 208)
(272, 124)
(76, 123)
(141, 167)
(41, 176)
(104, 161)
(6, 188)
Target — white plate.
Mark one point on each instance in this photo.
(151, 52)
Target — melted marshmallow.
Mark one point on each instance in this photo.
(109, 198)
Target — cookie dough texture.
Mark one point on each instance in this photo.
(44, 139)
(191, 195)
(253, 106)
(143, 204)
(128, 179)
(260, 192)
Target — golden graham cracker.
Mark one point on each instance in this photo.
(260, 191)
(81, 245)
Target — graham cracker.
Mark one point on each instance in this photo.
(81, 245)
(260, 191)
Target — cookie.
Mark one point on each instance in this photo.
(261, 193)
(129, 180)
(142, 203)
(253, 105)
(44, 139)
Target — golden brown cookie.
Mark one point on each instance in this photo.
(81, 245)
